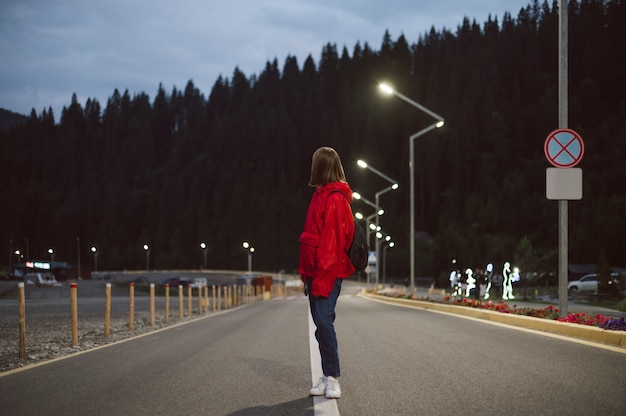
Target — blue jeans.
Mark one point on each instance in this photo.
(323, 314)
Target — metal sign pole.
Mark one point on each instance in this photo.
(563, 114)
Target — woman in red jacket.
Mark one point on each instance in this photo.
(324, 263)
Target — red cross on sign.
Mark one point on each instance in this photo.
(564, 148)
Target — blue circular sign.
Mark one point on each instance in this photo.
(564, 148)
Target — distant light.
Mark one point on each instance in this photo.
(359, 215)
(361, 163)
(395, 186)
(391, 244)
(385, 88)
(246, 244)
(440, 124)
(381, 212)
(356, 195)
(145, 247)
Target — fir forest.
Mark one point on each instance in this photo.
(174, 168)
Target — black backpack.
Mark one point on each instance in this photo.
(359, 249)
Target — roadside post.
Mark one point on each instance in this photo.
(131, 314)
(107, 311)
(74, 307)
(22, 318)
(180, 301)
(564, 148)
(151, 304)
(167, 303)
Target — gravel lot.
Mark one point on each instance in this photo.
(48, 320)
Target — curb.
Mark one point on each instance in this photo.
(591, 333)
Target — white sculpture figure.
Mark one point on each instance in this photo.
(507, 287)
(453, 282)
(470, 282)
(489, 276)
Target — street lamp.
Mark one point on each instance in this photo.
(250, 249)
(95, 258)
(18, 254)
(147, 249)
(388, 244)
(394, 186)
(440, 122)
(379, 211)
(51, 252)
(203, 247)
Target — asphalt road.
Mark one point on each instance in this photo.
(255, 360)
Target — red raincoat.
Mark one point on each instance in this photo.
(326, 238)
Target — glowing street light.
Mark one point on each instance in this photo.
(439, 123)
(250, 249)
(51, 252)
(203, 247)
(94, 250)
(394, 185)
(147, 249)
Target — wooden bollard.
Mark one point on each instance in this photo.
(219, 297)
(213, 296)
(180, 302)
(107, 311)
(167, 302)
(189, 300)
(74, 306)
(22, 318)
(131, 317)
(199, 300)
(206, 299)
(151, 304)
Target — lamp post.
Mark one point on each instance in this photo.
(250, 250)
(388, 244)
(394, 186)
(51, 252)
(368, 229)
(203, 247)
(440, 122)
(18, 254)
(147, 250)
(360, 216)
(95, 258)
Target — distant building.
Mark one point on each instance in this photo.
(61, 270)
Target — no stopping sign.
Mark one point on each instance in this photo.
(564, 148)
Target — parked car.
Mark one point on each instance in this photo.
(141, 281)
(176, 281)
(589, 283)
(41, 279)
(198, 282)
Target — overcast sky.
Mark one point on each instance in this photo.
(50, 49)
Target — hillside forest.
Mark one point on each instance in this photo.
(180, 167)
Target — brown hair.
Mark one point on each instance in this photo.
(326, 167)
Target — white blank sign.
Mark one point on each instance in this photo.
(564, 184)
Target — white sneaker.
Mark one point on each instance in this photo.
(320, 388)
(333, 391)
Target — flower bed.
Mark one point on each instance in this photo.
(549, 312)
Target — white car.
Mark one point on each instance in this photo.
(588, 283)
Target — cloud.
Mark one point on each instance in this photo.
(56, 48)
